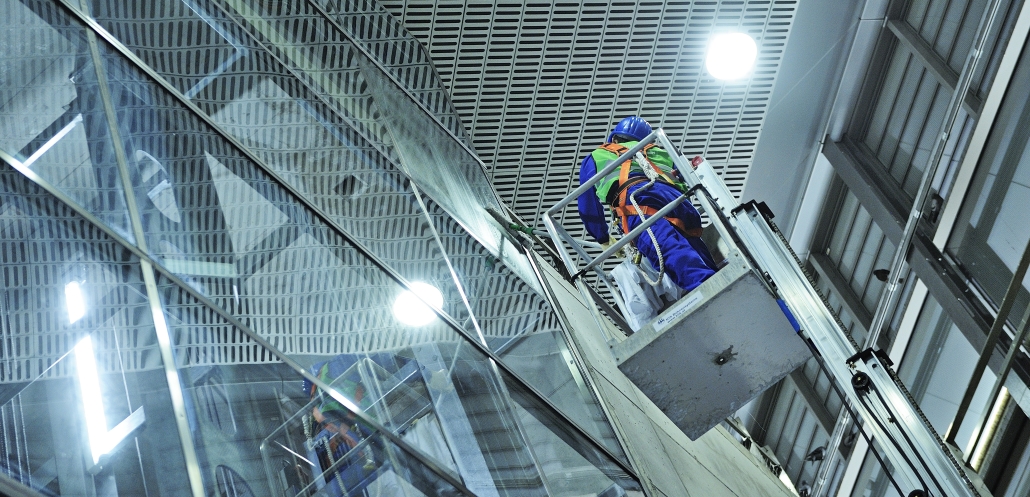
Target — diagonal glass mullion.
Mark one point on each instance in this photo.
(527, 399)
(335, 227)
(311, 86)
(375, 61)
(156, 309)
(447, 259)
(146, 259)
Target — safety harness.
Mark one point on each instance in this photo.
(624, 209)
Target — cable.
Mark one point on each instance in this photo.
(886, 406)
(893, 441)
(900, 385)
(652, 176)
(855, 418)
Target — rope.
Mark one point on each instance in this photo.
(652, 176)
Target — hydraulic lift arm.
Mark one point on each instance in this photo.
(922, 463)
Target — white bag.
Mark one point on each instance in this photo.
(642, 303)
(666, 288)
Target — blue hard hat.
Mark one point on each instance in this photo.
(633, 126)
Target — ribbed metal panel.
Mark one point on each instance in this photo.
(539, 84)
(949, 26)
(858, 247)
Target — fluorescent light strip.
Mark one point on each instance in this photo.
(93, 404)
(52, 141)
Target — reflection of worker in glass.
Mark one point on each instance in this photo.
(679, 250)
(334, 430)
(338, 422)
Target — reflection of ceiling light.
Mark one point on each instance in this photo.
(412, 310)
(74, 301)
(52, 141)
(89, 385)
(101, 440)
(731, 55)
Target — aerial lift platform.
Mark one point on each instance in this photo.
(746, 327)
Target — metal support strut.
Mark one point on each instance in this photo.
(922, 463)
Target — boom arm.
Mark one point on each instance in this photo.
(922, 463)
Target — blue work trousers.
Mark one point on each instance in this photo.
(687, 259)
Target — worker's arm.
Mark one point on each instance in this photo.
(590, 209)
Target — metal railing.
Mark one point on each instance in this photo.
(922, 463)
(706, 198)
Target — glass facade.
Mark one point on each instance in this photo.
(206, 226)
(951, 291)
(992, 231)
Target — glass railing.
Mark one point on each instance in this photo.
(335, 128)
(84, 401)
(263, 285)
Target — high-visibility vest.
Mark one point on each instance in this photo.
(620, 204)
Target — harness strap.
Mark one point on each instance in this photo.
(624, 171)
(619, 203)
(625, 211)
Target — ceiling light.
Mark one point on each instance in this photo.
(731, 55)
(412, 310)
(74, 301)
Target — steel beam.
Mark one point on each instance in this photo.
(825, 267)
(888, 205)
(886, 202)
(933, 63)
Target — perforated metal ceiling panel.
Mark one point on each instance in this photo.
(538, 84)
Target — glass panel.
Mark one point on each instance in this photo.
(236, 243)
(329, 148)
(390, 42)
(52, 117)
(520, 326)
(84, 402)
(232, 219)
(570, 466)
(992, 229)
(296, 44)
(239, 238)
(256, 416)
(260, 427)
(937, 366)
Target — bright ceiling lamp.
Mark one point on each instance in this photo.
(412, 310)
(731, 55)
(74, 302)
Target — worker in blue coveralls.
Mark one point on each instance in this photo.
(686, 258)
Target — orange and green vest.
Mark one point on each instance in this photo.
(621, 177)
(608, 152)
